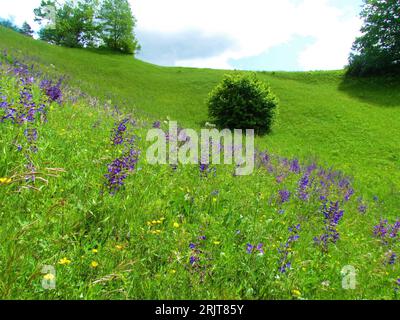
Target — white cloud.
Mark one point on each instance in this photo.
(253, 26)
(19, 10)
(334, 31)
(257, 26)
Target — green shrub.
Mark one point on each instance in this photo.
(242, 101)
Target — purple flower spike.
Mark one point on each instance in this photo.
(284, 196)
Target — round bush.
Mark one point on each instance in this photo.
(243, 102)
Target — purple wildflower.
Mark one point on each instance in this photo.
(285, 266)
(31, 135)
(362, 208)
(395, 230)
(118, 133)
(295, 166)
(392, 258)
(381, 230)
(284, 196)
(265, 158)
(53, 92)
(31, 168)
(203, 168)
(349, 192)
(311, 168)
(157, 125)
(198, 258)
(303, 186)
(286, 249)
(332, 215)
(250, 248)
(193, 260)
(120, 168)
(256, 248)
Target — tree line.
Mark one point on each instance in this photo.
(25, 29)
(88, 24)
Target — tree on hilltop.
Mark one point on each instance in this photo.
(71, 24)
(377, 50)
(117, 24)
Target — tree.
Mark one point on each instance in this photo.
(88, 23)
(9, 24)
(117, 24)
(27, 30)
(71, 24)
(377, 51)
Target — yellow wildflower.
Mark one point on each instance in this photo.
(154, 222)
(173, 271)
(64, 261)
(95, 251)
(296, 293)
(217, 243)
(94, 264)
(5, 180)
(119, 247)
(176, 225)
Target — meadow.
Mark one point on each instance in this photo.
(77, 194)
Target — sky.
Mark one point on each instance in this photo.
(291, 35)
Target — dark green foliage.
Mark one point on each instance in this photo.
(377, 51)
(26, 29)
(117, 24)
(73, 26)
(243, 102)
(88, 23)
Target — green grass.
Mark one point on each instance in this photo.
(349, 124)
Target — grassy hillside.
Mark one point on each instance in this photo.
(190, 232)
(351, 124)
